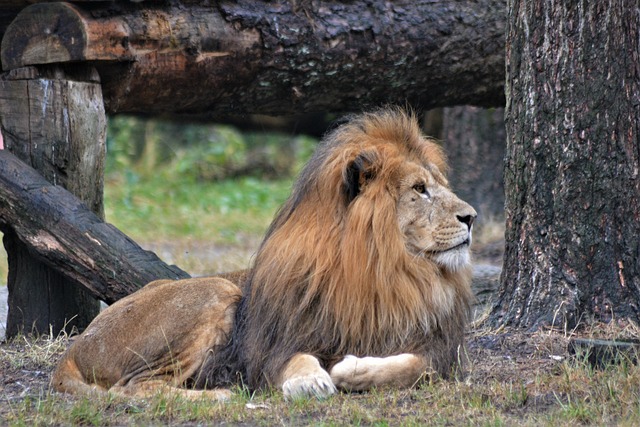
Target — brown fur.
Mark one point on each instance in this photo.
(157, 338)
(362, 279)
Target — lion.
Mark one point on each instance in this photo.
(362, 280)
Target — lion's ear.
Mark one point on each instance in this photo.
(358, 173)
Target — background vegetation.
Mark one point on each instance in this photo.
(178, 188)
(166, 180)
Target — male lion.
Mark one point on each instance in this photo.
(362, 280)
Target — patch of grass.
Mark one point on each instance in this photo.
(28, 352)
(203, 227)
(166, 208)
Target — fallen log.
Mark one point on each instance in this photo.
(61, 231)
(274, 58)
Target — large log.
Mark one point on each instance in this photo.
(64, 233)
(279, 57)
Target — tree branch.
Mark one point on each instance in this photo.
(65, 234)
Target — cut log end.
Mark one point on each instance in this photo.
(35, 37)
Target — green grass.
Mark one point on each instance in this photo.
(203, 227)
(497, 391)
(442, 403)
(162, 207)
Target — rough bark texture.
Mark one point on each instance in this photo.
(65, 234)
(280, 57)
(573, 155)
(58, 126)
(475, 139)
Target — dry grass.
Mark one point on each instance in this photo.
(205, 258)
(513, 378)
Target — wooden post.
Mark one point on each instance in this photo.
(61, 117)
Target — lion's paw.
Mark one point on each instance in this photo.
(353, 373)
(318, 385)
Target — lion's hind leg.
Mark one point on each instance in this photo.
(149, 388)
(67, 378)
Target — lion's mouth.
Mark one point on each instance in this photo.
(466, 243)
(453, 258)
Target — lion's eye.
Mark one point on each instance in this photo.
(422, 189)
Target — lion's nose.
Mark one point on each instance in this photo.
(466, 219)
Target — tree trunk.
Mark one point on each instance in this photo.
(63, 233)
(282, 57)
(58, 126)
(475, 141)
(572, 162)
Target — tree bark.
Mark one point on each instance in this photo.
(272, 58)
(65, 234)
(572, 162)
(475, 139)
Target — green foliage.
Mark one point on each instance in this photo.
(167, 181)
(202, 152)
(223, 154)
(124, 135)
(169, 206)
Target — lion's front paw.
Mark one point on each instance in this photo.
(352, 373)
(317, 385)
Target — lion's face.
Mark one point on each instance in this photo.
(435, 223)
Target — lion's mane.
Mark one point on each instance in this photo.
(333, 277)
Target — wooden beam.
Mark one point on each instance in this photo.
(272, 58)
(64, 233)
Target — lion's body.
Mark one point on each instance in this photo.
(362, 278)
(158, 335)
